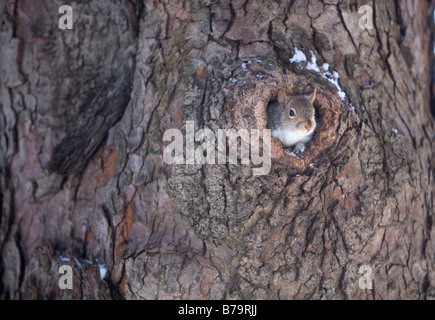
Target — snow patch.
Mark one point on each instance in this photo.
(299, 56)
(103, 270)
(397, 133)
(79, 265)
(64, 259)
(313, 167)
(334, 80)
(101, 267)
(311, 65)
(246, 64)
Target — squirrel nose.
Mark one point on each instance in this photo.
(308, 126)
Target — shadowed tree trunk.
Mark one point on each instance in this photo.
(82, 177)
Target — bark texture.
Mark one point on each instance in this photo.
(82, 118)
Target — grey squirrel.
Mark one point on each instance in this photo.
(291, 120)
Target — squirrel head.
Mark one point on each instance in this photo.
(298, 112)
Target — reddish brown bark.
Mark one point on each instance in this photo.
(83, 113)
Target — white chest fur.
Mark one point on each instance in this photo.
(289, 138)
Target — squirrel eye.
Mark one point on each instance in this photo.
(292, 113)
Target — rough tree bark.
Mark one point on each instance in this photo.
(83, 113)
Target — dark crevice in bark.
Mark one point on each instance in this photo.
(340, 13)
(22, 266)
(231, 22)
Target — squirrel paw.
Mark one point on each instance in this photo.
(300, 148)
(290, 153)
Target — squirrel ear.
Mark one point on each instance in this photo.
(282, 99)
(313, 95)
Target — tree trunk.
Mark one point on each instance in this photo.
(83, 181)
